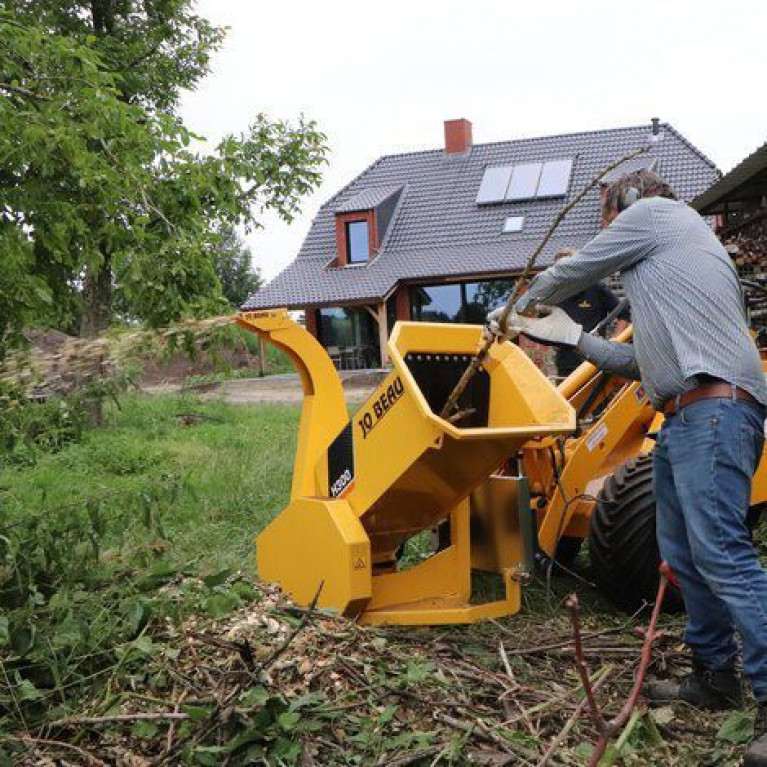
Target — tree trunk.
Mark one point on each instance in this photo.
(102, 15)
(96, 318)
(97, 295)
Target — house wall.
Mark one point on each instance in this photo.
(402, 302)
(312, 321)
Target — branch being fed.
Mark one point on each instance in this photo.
(476, 362)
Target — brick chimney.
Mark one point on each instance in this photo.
(457, 136)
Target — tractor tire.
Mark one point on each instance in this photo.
(567, 552)
(622, 545)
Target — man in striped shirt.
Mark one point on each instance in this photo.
(693, 352)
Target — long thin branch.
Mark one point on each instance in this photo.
(624, 714)
(580, 663)
(145, 55)
(564, 732)
(607, 729)
(482, 731)
(30, 741)
(23, 92)
(152, 716)
(479, 357)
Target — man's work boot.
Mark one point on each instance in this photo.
(703, 688)
(756, 756)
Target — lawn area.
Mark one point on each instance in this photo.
(129, 597)
(215, 473)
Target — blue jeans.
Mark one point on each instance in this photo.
(704, 460)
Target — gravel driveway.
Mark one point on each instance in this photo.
(280, 389)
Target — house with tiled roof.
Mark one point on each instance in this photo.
(439, 235)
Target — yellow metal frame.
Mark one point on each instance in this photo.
(408, 470)
(438, 590)
(323, 411)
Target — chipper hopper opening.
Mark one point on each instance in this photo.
(364, 485)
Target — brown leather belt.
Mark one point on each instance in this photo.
(706, 391)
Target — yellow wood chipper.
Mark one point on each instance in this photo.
(523, 474)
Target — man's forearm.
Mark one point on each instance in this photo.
(609, 355)
(629, 239)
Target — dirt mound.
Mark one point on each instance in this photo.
(180, 366)
(46, 341)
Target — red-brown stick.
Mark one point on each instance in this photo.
(580, 663)
(617, 723)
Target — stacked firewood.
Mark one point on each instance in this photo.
(747, 250)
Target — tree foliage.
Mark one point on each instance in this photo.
(106, 196)
(234, 268)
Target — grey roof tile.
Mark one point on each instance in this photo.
(368, 198)
(438, 230)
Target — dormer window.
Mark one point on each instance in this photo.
(362, 222)
(357, 241)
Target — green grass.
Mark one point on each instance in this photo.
(118, 538)
(112, 539)
(232, 469)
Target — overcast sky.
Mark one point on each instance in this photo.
(380, 77)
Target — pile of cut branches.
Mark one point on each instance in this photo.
(278, 684)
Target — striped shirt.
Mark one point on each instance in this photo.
(686, 302)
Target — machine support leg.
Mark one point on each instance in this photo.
(383, 333)
(528, 525)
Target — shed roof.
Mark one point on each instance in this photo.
(368, 198)
(746, 180)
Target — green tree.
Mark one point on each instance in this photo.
(234, 268)
(105, 194)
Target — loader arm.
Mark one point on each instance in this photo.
(568, 474)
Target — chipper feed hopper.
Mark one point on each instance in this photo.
(365, 485)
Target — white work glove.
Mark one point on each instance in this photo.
(493, 329)
(554, 328)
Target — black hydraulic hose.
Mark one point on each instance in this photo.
(622, 305)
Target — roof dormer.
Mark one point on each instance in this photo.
(362, 222)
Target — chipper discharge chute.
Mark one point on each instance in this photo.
(364, 486)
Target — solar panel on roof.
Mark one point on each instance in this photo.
(555, 178)
(524, 181)
(494, 184)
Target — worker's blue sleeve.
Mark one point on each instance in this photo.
(629, 239)
(609, 356)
